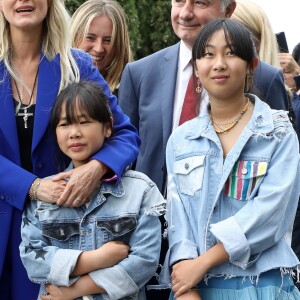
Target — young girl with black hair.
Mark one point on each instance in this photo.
(82, 252)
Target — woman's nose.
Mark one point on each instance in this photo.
(98, 46)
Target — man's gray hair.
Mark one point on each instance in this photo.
(225, 4)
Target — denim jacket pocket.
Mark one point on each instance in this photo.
(117, 229)
(190, 172)
(60, 231)
(243, 179)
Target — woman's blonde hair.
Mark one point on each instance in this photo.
(55, 40)
(80, 24)
(258, 23)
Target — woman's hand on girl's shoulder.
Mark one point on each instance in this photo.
(82, 184)
(49, 190)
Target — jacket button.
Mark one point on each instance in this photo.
(186, 166)
(244, 171)
(40, 165)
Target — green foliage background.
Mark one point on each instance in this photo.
(149, 24)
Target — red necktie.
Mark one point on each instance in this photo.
(188, 111)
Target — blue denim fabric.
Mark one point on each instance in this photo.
(54, 236)
(247, 200)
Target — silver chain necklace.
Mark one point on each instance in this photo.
(25, 114)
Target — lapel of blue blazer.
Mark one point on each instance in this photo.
(168, 74)
(48, 85)
(7, 116)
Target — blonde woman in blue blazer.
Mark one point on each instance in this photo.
(36, 62)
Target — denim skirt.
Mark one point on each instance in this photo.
(271, 285)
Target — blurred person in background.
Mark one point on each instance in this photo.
(257, 21)
(290, 64)
(99, 27)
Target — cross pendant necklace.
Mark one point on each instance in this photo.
(25, 114)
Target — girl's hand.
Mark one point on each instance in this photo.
(186, 274)
(50, 191)
(83, 286)
(82, 184)
(57, 293)
(193, 295)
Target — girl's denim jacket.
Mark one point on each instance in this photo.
(247, 200)
(53, 237)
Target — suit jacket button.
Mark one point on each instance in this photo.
(40, 165)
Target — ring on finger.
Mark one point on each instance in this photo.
(77, 200)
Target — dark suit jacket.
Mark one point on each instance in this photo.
(117, 153)
(146, 95)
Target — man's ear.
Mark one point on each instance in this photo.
(230, 9)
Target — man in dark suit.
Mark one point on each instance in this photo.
(152, 89)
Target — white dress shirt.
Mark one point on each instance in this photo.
(184, 73)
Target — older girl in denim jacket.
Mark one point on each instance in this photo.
(83, 250)
(233, 186)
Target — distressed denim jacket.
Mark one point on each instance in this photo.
(247, 200)
(53, 237)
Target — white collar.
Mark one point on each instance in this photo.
(185, 56)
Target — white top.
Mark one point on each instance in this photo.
(184, 73)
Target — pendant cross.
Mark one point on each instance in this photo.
(25, 116)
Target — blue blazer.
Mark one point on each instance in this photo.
(118, 153)
(146, 95)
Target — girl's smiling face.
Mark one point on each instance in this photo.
(221, 72)
(97, 42)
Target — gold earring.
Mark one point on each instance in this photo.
(248, 81)
(198, 87)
